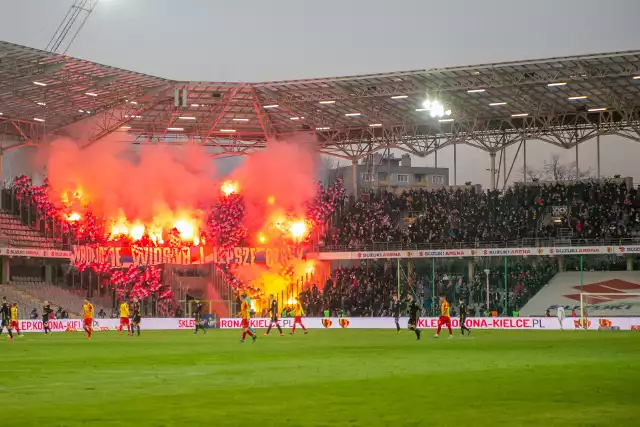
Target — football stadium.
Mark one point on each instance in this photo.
(141, 286)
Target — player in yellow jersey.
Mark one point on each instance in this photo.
(124, 317)
(87, 318)
(15, 319)
(297, 320)
(245, 313)
(444, 319)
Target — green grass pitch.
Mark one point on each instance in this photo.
(326, 378)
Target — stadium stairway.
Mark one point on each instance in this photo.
(564, 289)
(58, 297)
(26, 301)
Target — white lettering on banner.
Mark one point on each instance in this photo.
(511, 323)
(62, 325)
(261, 323)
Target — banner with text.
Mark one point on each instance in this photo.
(125, 256)
(71, 325)
(35, 253)
(519, 323)
(478, 252)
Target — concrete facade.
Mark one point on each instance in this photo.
(394, 174)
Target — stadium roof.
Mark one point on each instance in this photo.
(563, 101)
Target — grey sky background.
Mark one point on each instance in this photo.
(251, 40)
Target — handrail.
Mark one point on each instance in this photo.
(523, 243)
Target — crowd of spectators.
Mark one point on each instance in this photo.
(588, 210)
(368, 290)
(356, 291)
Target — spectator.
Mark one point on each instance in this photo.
(445, 216)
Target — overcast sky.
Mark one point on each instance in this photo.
(251, 40)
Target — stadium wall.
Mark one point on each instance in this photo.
(564, 289)
(73, 325)
(477, 252)
(499, 323)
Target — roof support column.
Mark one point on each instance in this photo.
(598, 156)
(492, 169)
(436, 156)
(577, 163)
(524, 156)
(504, 168)
(354, 176)
(598, 148)
(455, 164)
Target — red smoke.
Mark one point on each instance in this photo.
(281, 178)
(165, 186)
(162, 180)
(158, 178)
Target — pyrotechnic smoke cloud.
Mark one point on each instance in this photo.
(281, 177)
(159, 178)
(163, 177)
(162, 180)
(277, 180)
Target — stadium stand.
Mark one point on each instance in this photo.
(581, 212)
(367, 291)
(38, 292)
(17, 234)
(26, 302)
(608, 209)
(591, 212)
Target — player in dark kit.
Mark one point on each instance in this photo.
(46, 315)
(463, 317)
(197, 318)
(136, 317)
(414, 315)
(273, 309)
(5, 312)
(395, 309)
